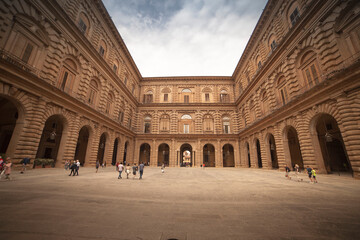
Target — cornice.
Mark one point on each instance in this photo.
(189, 78)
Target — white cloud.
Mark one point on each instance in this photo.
(185, 38)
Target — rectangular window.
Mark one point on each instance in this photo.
(107, 110)
(63, 83)
(147, 128)
(314, 73)
(125, 81)
(82, 26)
(273, 45)
(166, 97)
(259, 64)
(226, 128)
(186, 99)
(148, 98)
(114, 68)
(186, 128)
(224, 98)
(91, 96)
(207, 97)
(283, 96)
(129, 122)
(121, 117)
(27, 53)
(308, 77)
(101, 51)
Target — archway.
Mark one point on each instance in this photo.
(125, 152)
(273, 155)
(51, 138)
(81, 146)
(294, 148)
(101, 148)
(163, 154)
(144, 154)
(258, 152)
(332, 145)
(248, 154)
(115, 151)
(7, 123)
(228, 156)
(186, 159)
(209, 155)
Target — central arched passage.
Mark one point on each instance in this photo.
(115, 152)
(273, 155)
(101, 148)
(209, 155)
(258, 152)
(9, 116)
(81, 146)
(144, 154)
(186, 159)
(228, 156)
(163, 154)
(294, 148)
(51, 138)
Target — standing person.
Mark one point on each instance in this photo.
(141, 169)
(128, 169)
(297, 172)
(97, 165)
(73, 168)
(8, 166)
(67, 165)
(308, 169)
(313, 172)
(77, 167)
(134, 169)
(287, 172)
(203, 166)
(105, 164)
(117, 166)
(163, 168)
(121, 168)
(26, 161)
(1, 164)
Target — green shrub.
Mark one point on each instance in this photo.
(44, 162)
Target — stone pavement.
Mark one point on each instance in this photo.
(182, 203)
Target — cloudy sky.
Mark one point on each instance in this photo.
(185, 37)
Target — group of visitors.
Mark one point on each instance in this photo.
(120, 167)
(311, 172)
(5, 167)
(74, 167)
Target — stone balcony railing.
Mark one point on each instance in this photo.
(16, 61)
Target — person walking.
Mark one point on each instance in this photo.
(67, 164)
(2, 164)
(141, 169)
(73, 168)
(134, 169)
(313, 172)
(77, 167)
(97, 165)
(308, 169)
(121, 168)
(297, 172)
(25, 162)
(287, 172)
(163, 168)
(128, 169)
(8, 165)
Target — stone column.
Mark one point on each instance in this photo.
(154, 154)
(218, 155)
(237, 153)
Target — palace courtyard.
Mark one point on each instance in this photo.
(182, 203)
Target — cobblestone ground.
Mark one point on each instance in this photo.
(182, 203)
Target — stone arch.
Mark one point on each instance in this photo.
(209, 155)
(104, 144)
(292, 149)
(82, 150)
(114, 158)
(163, 154)
(186, 155)
(270, 149)
(145, 153)
(228, 155)
(256, 143)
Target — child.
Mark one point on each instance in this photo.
(287, 172)
(313, 172)
(134, 168)
(127, 171)
(163, 168)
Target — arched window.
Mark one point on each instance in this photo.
(67, 76)
(310, 69)
(148, 97)
(165, 123)
(243, 117)
(224, 96)
(293, 13)
(206, 92)
(264, 102)
(132, 88)
(121, 116)
(282, 91)
(186, 123)
(252, 110)
(92, 93)
(226, 124)
(129, 123)
(186, 93)
(83, 23)
(208, 122)
(147, 124)
(272, 42)
(109, 103)
(102, 48)
(116, 66)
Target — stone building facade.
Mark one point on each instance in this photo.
(69, 89)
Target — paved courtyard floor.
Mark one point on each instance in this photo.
(182, 203)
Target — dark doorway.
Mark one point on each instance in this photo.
(115, 151)
(294, 147)
(9, 116)
(228, 156)
(81, 146)
(144, 155)
(209, 155)
(163, 154)
(258, 151)
(101, 149)
(186, 155)
(273, 155)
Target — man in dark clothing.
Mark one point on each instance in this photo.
(141, 169)
(309, 169)
(73, 168)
